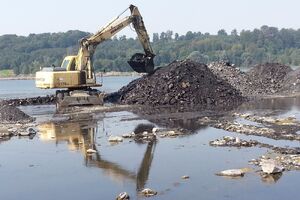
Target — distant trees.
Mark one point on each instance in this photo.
(267, 44)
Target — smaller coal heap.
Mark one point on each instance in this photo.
(181, 83)
(268, 78)
(9, 114)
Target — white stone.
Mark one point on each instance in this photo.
(231, 172)
(115, 139)
(145, 133)
(23, 133)
(228, 138)
(127, 135)
(154, 130)
(237, 140)
(91, 151)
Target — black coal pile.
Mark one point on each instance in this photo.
(182, 83)
(234, 76)
(11, 114)
(268, 78)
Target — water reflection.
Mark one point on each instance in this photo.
(271, 178)
(188, 119)
(284, 103)
(173, 118)
(82, 136)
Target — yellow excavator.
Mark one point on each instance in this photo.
(77, 74)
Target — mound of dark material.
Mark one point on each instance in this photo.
(11, 114)
(268, 78)
(182, 83)
(234, 76)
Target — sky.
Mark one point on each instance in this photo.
(23, 17)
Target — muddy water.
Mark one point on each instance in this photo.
(54, 164)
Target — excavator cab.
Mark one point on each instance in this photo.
(142, 63)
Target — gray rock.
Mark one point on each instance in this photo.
(270, 166)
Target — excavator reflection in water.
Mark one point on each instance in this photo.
(81, 136)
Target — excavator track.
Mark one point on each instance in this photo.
(67, 98)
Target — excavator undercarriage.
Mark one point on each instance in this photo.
(76, 97)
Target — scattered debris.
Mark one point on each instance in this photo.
(9, 130)
(147, 192)
(282, 161)
(123, 196)
(289, 121)
(246, 129)
(229, 141)
(243, 128)
(171, 133)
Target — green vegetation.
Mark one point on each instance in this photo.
(268, 44)
(6, 73)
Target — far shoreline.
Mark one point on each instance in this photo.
(98, 74)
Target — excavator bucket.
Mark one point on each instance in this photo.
(141, 63)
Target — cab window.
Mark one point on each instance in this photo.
(65, 64)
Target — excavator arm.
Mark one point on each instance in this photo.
(139, 62)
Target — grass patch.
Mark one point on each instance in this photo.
(6, 73)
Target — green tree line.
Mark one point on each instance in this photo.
(27, 54)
